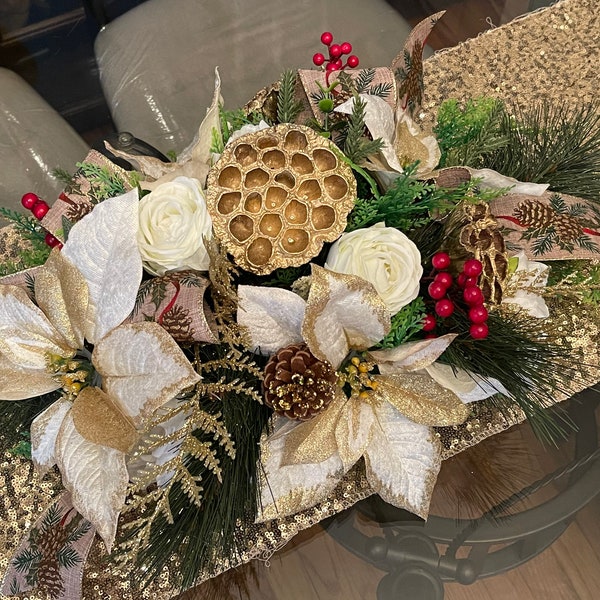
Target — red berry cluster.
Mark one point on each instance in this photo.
(39, 209)
(336, 51)
(471, 294)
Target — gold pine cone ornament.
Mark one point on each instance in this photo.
(277, 195)
(297, 384)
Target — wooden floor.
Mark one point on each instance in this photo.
(315, 566)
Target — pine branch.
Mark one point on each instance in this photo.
(363, 80)
(288, 106)
(104, 182)
(554, 144)
(356, 146)
(68, 557)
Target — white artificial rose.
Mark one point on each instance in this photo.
(384, 257)
(173, 222)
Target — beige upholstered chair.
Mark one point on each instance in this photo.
(157, 61)
(34, 140)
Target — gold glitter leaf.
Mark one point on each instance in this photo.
(100, 421)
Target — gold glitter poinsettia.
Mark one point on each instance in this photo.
(83, 294)
(386, 419)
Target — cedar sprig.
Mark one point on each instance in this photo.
(405, 324)
(467, 134)
(104, 182)
(288, 106)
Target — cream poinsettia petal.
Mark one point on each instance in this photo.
(62, 293)
(287, 490)
(44, 431)
(342, 312)
(421, 399)
(411, 356)
(271, 316)
(402, 461)
(354, 431)
(142, 368)
(469, 387)
(104, 249)
(18, 383)
(26, 335)
(95, 475)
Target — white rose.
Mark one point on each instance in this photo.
(383, 256)
(173, 221)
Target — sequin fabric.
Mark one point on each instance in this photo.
(552, 53)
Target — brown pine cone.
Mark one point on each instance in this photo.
(567, 228)
(177, 322)
(533, 213)
(297, 384)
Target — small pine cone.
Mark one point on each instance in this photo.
(567, 228)
(177, 322)
(49, 578)
(533, 213)
(78, 210)
(297, 384)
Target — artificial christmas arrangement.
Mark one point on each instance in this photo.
(313, 303)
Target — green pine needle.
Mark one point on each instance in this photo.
(288, 106)
(357, 147)
(531, 365)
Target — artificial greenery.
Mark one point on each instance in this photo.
(531, 364)
(556, 144)
(288, 106)
(216, 493)
(406, 324)
(579, 279)
(104, 182)
(357, 147)
(231, 121)
(468, 133)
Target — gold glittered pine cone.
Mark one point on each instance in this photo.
(297, 384)
(277, 195)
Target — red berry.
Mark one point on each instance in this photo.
(318, 59)
(352, 61)
(339, 64)
(444, 278)
(335, 51)
(327, 38)
(331, 67)
(29, 199)
(461, 279)
(39, 210)
(440, 261)
(444, 308)
(479, 331)
(436, 290)
(51, 240)
(429, 323)
(473, 296)
(471, 281)
(346, 48)
(472, 268)
(478, 314)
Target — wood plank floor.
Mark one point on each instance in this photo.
(315, 566)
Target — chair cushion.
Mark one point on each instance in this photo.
(34, 140)
(157, 61)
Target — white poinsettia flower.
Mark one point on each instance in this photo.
(83, 294)
(389, 425)
(528, 277)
